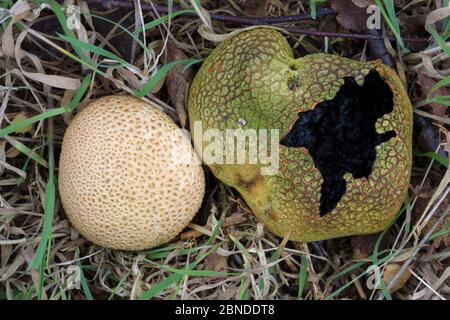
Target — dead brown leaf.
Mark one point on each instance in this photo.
(229, 293)
(253, 7)
(234, 219)
(363, 245)
(426, 83)
(12, 153)
(423, 198)
(349, 15)
(363, 3)
(390, 272)
(216, 262)
(21, 116)
(190, 234)
(177, 81)
(412, 24)
(442, 240)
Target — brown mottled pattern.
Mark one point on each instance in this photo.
(118, 181)
(253, 76)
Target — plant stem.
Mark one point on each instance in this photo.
(244, 20)
(215, 16)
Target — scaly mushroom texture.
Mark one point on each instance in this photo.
(345, 132)
(127, 178)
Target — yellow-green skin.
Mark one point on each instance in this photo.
(246, 77)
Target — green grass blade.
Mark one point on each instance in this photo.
(215, 233)
(50, 113)
(43, 249)
(63, 22)
(83, 282)
(7, 4)
(165, 254)
(47, 228)
(29, 121)
(24, 168)
(32, 154)
(442, 100)
(391, 19)
(200, 12)
(92, 48)
(40, 288)
(444, 232)
(243, 290)
(302, 275)
(349, 269)
(163, 249)
(439, 40)
(441, 83)
(446, 22)
(38, 261)
(132, 35)
(122, 280)
(163, 19)
(244, 252)
(161, 73)
(313, 9)
(274, 257)
(80, 93)
(160, 286)
(77, 59)
(433, 155)
(375, 254)
(383, 288)
(173, 278)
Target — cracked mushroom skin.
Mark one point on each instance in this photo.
(345, 134)
(124, 179)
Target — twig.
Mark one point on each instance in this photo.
(215, 16)
(378, 50)
(314, 279)
(260, 21)
(358, 286)
(356, 36)
(419, 246)
(429, 135)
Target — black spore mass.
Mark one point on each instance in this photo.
(340, 134)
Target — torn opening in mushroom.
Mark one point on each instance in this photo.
(340, 134)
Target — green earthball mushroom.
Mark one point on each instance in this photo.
(345, 134)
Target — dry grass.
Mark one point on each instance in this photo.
(225, 253)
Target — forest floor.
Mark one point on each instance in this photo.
(48, 71)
